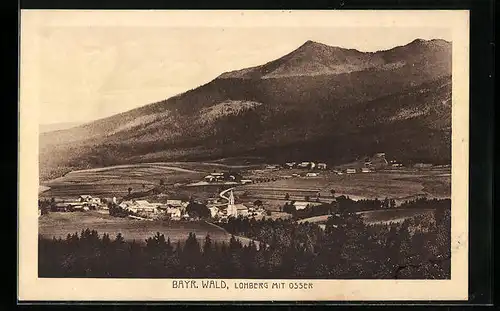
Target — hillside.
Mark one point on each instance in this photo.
(44, 128)
(320, 101)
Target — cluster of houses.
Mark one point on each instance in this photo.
(175, 209)
(227, 178)
(355, 170)
(232, 209)
(306, 165)
(83, 203)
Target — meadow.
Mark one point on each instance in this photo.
(399, 185)
(393, 215)
(115, 180)
(59, 225)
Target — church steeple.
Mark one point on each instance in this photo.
(231, 198)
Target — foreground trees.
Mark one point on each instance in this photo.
(346, 249)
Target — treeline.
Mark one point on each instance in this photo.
(344, 203)
(346, 249)
(116, 211)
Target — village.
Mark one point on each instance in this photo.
(223, 206)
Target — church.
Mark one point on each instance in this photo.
(235, 210)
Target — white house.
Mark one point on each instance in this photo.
(209, 178)
(322, 166)
(85, 198)
(125, 204)
(214, 211)
(365, 170)
(89, 201)
(174, 212)
(246, 181)
(176, 203)
(140, 206)
(422, 165)
(77, 206)
(311, 174)
(351, 171)
(302, 204)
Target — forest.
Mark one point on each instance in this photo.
(418, 248)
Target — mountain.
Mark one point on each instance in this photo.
(318, 101)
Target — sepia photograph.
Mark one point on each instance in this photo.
(257, 155)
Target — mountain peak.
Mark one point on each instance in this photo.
(430, 42)
(310, 42)
(316, 59)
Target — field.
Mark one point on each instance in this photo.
(61, 224)
(379, 216)
(395, 215)
(399, 185)
(115, 180)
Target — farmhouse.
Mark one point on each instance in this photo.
(89, 202)
(422, 165)
(85, 198)
(351, 171)
(299, 205)
(61, 207)
(322, 166)
(174, 213)
(304, 165)
(214, 211)
(221, 177)
(140, 206)
(76, 206)
(175, 203)
(210, 178)
(246, 181)
(311, 174)
(290, 164)
(365, 170)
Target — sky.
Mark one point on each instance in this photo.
(91, 71)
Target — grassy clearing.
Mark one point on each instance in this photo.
(61, 224)
(397, 185)
(114, 181)
(315, 219)
(391, 216)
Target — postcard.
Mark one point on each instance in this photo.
(243, 155)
